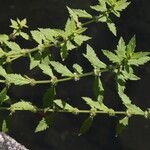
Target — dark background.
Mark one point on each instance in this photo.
(63, 134)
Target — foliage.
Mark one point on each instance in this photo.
(123, 60)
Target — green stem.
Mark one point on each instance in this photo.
(80, 111)
(35, 82)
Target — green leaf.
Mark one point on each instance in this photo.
(2, 53)
(65, 47)
(121, 87)
(69, 45)
(14, 24)
(45, 123)
(42, 126)
(140, 61)
(3, 96)
(46, 70)
(13, 46)
(4, 38)
(23, 23)
(2, 72)
(22, 105)
(79, 39)
(59, 33)
(17, 79)
(34, 60)
(102, 18)
(96, 104)
(138, 55)
(93, 59)
(78, 69)
(63, 70)
(123, 123)
(74, 16)
(131, 46)
(24, 35)
(49, 97)
(98, 88)
(70, 27)
(134, 109)
(111, 56)
(4, 126)
(101, 7)
(121, 49)
(85, 126)
(64, 51)
(112, 28)
(128, 73)
(65, 106)
(121, 5)
(49, 34)
(37, 36)
(81, 13)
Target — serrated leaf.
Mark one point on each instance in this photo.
(23, 23)
(140, 61)
(65, 106)
(17, 79)
(4, 37)
(101, 7)
(70, 27)
(121, 49)
(22, 105)
(3, 96)
(14, 24)
(102, 18)
(98, 88)
(13, 46)
(121, 5)
(49, 34)
(24, 35)
(81, 30)
(46, 70)
(64, 51)
(59, 33)
(128, 73)
(111, 56)
(79, 39)
(2, 72)
(85, 126)
(123, 123)
(134, 109)
(138, 55)
(96, 104)
(70, 46)
(78, 69)
(112, 28)
(74, 16)
(42, 126)
(45, 123)
(66, 46)
(34, 60)
(81, 13)
(131, 46)
(2, 53)
(93, 59)
(63, 70)
(121, 87)
(4, 126)
(37, 36)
